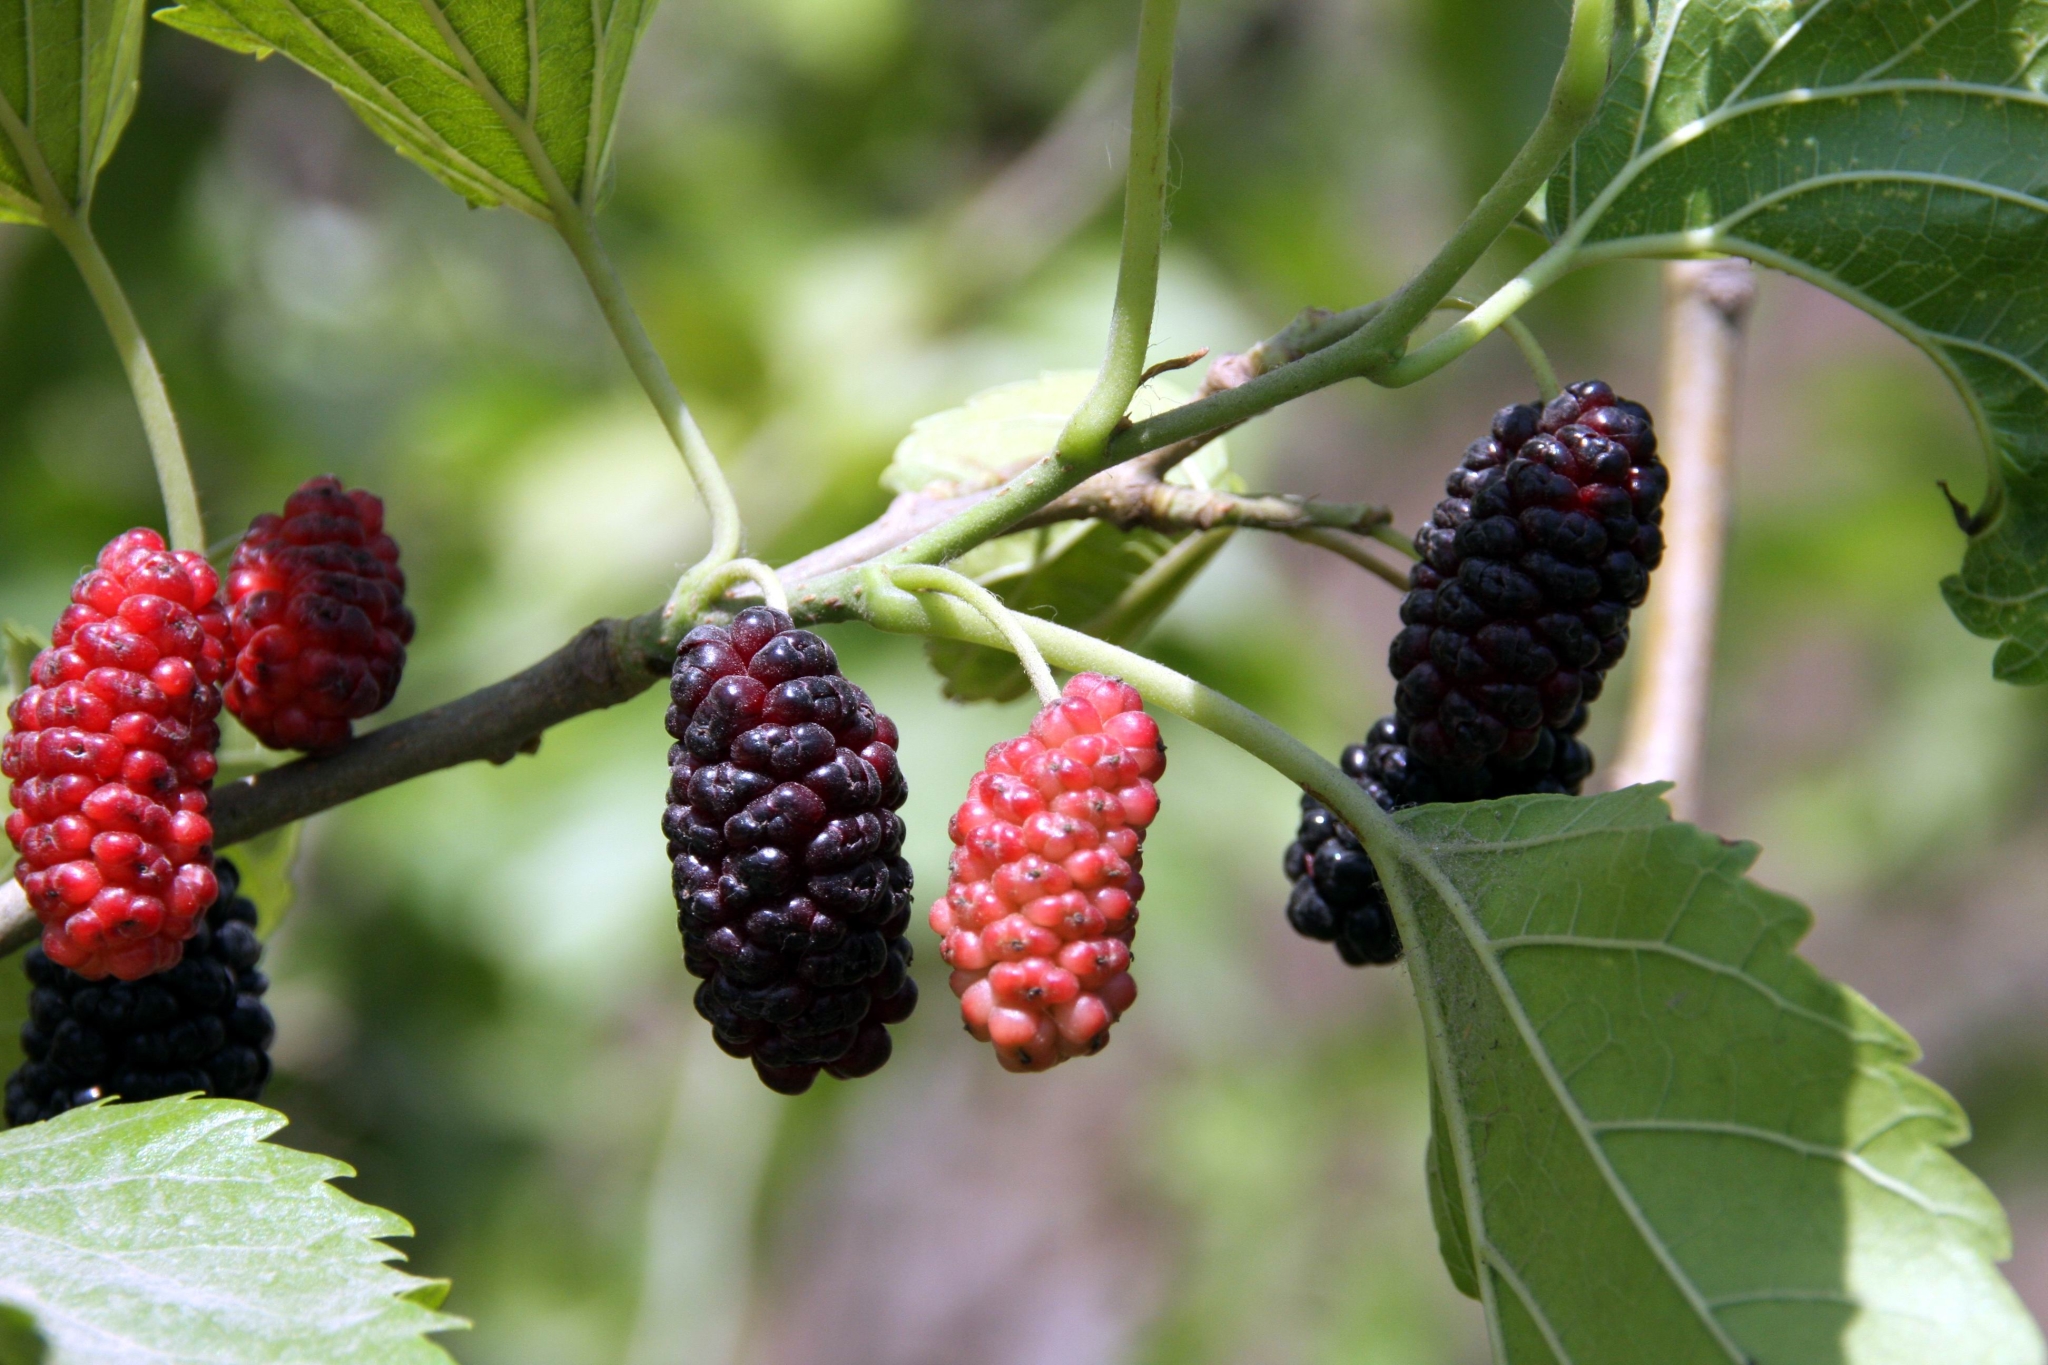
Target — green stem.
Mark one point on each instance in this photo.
(1374, 348)
(1339, 346)
(1394, 538)
(1137, 283)
(1497, 310)
(159, 422)
(1351, 548)
(998, 512)
(580, 232)
(931, 578)
(578, 229)
(1574, 98)
(698, 589)
(1533, 354)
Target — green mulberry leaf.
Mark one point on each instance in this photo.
(495, 98)
(1660, 1134)
(1110, 583)
(67, 85)
(170, 1231)
(1893, 153)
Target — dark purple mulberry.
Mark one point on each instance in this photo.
(198, 1026)
(1517, 607)
(791, 890)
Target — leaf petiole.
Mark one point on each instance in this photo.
(159, 422)
(1086, 437)
(578, 229)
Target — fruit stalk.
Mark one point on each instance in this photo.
(932, 578)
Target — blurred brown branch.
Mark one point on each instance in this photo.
(1705, 306)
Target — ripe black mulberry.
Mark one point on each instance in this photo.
(791, 890)
(1517, 608)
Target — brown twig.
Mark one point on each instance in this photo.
(1129, 497)
(606, 663)
(1705, 305)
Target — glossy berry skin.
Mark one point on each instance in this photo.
(316, 603)
(200, 1026)
(791, 890)
(1517, 609)
(110, 758)
(1528, 571)
(1042, 900)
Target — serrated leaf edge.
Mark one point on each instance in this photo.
(96, 138)
(1405, 848)
(225, 1121)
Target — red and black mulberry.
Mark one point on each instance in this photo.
(200, 1027)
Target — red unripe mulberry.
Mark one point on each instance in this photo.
(316, 601)
(110, 757)
(1042, 899)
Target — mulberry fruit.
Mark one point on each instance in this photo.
(1518, 607)
(110, 759)
(791, 890)
(200, 1026)
(1042, 901)
(316, 602)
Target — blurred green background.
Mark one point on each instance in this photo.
(837, 216)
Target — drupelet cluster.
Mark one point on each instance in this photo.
(1516, 610)
(791, 890)
(200, 1026)
(110, 758)
(316, 603)
(1042, 899)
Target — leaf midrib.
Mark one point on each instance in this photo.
(524, 132)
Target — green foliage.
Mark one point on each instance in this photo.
(495, 99)
(67, 86)
(1087, 574)
(170, 1230)
(20, 1342)
(1661, 1135)
(1893, 154)
(265, 863)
